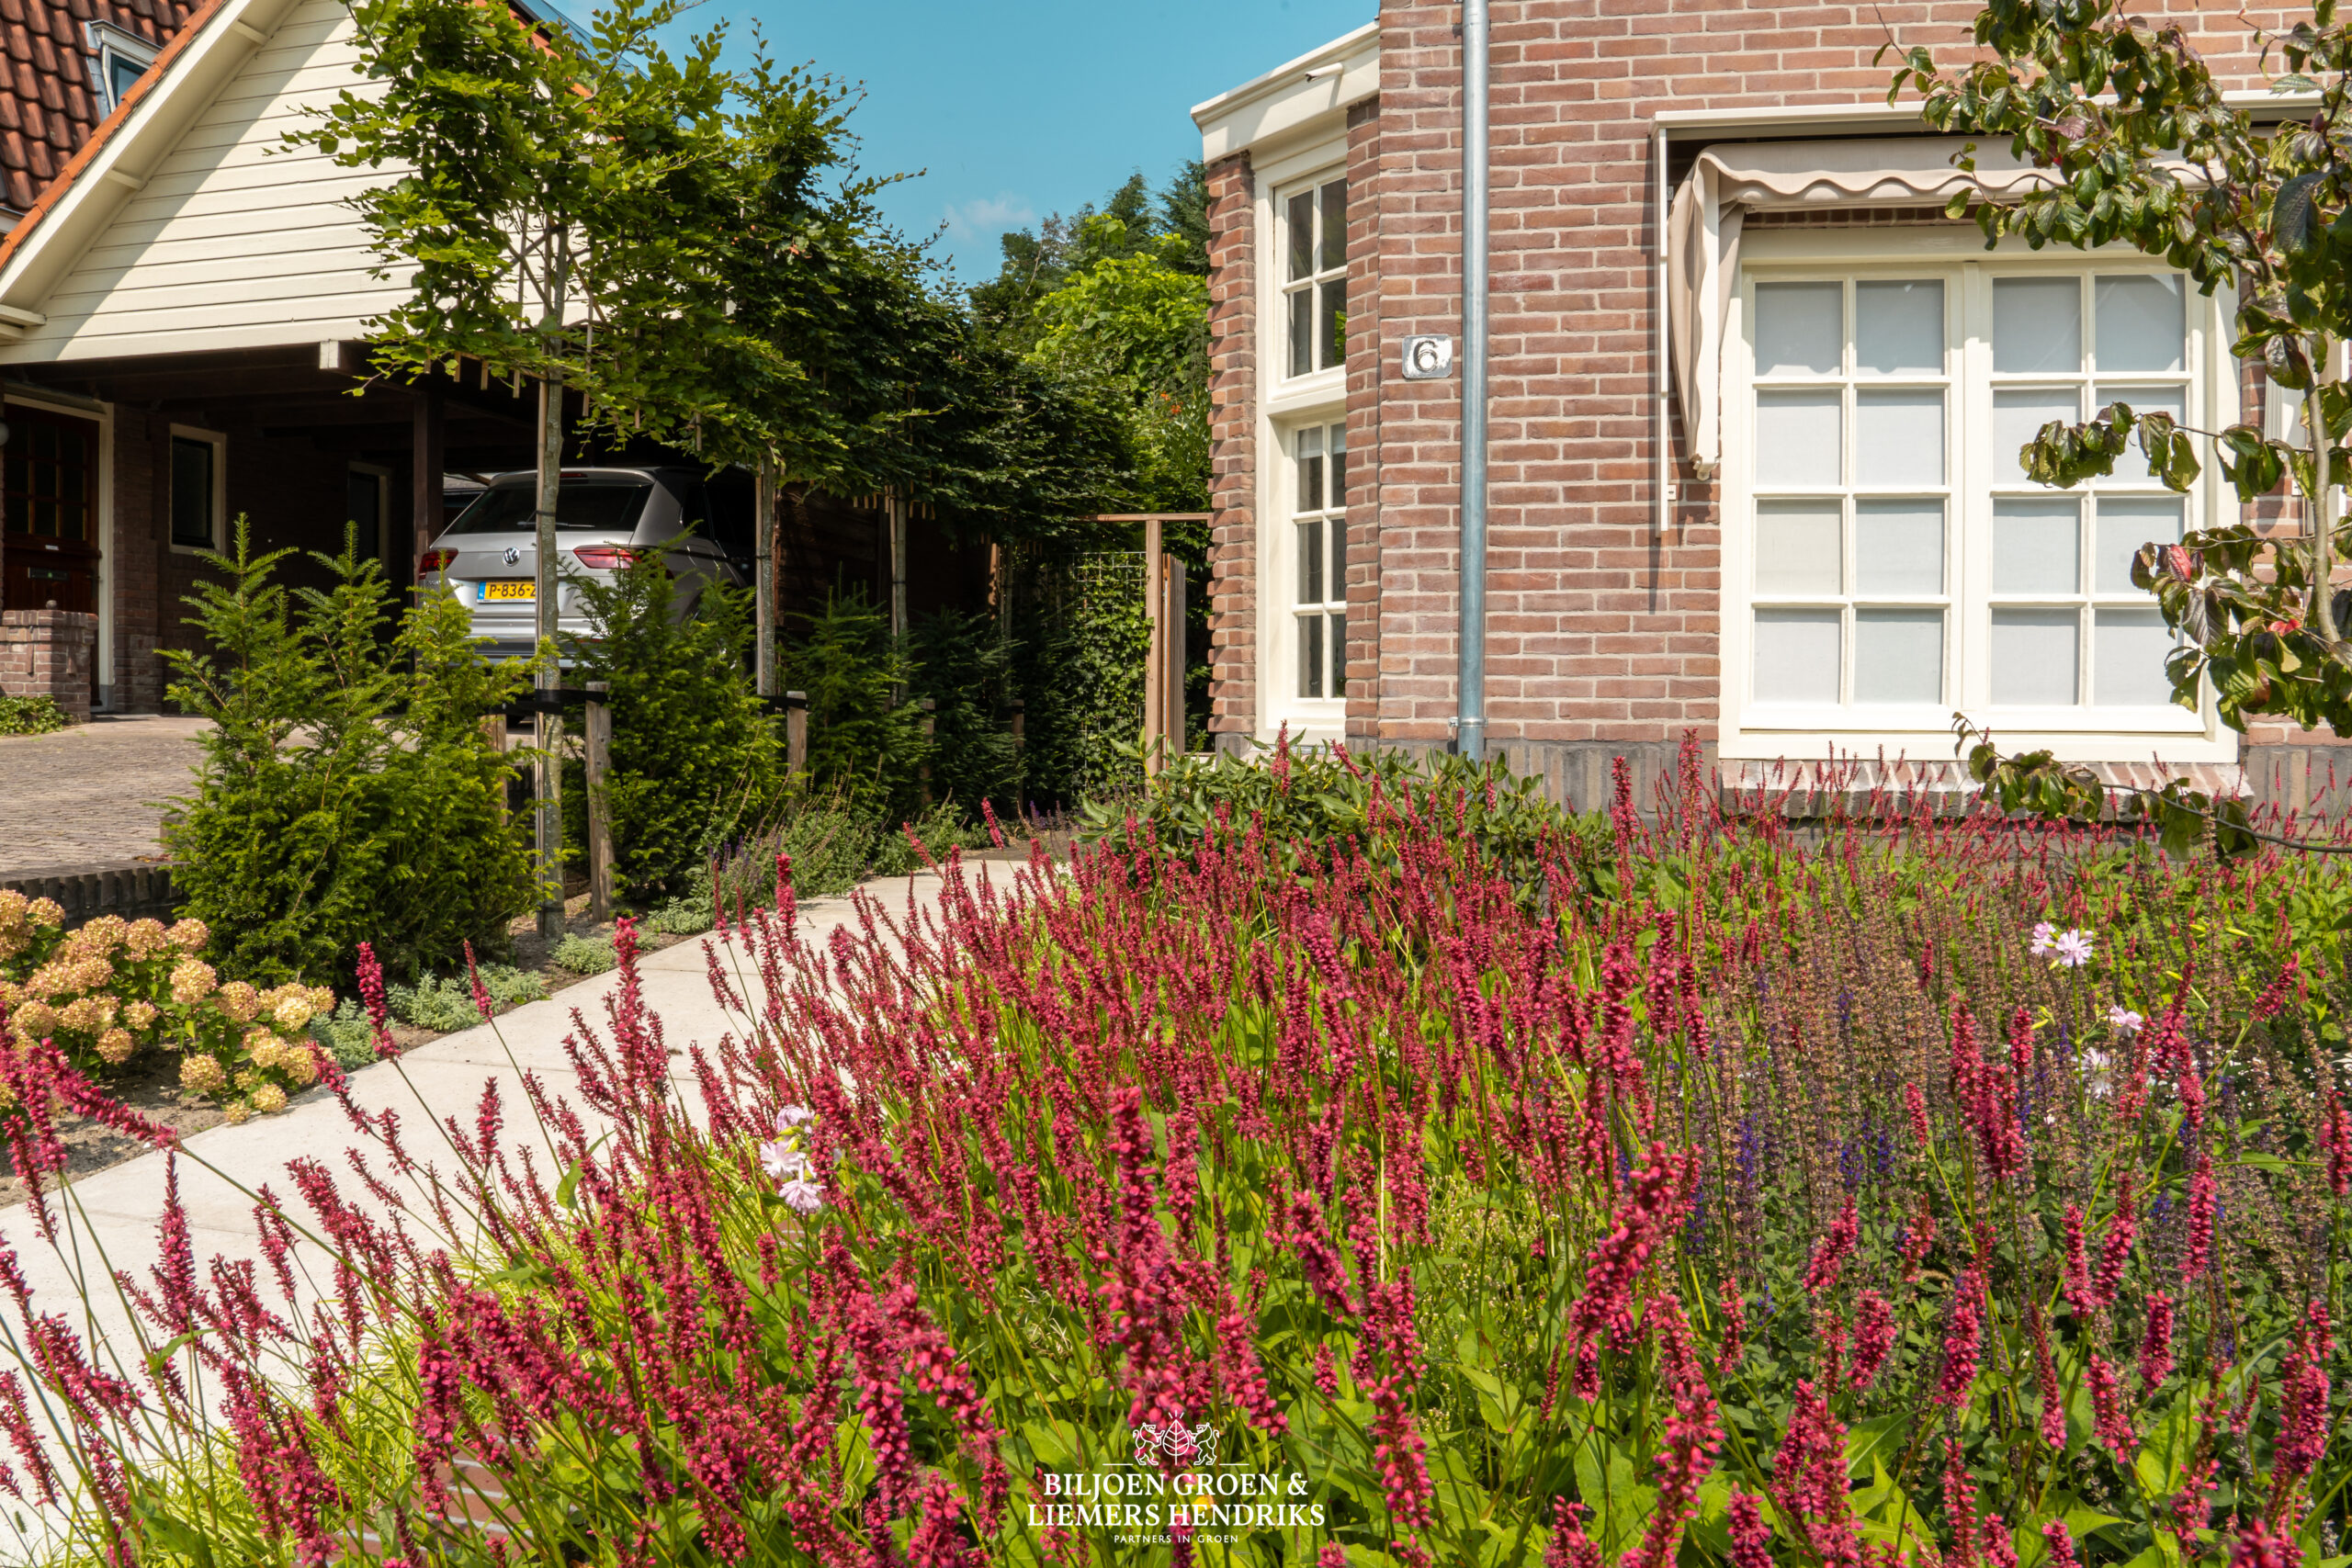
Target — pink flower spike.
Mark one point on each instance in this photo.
(473, 977)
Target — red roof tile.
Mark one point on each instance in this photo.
(47, 105)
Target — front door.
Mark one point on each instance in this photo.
(50, 495)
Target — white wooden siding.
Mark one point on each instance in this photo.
(234, 240)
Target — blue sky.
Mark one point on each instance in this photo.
(1017, 108)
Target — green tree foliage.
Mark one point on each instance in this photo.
(2121, 110)
(347, 792)
(588, 208)
(965, 667)
(688, 731)
(866, 745)
(1116, 301)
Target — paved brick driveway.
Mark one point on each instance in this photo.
(92, 795)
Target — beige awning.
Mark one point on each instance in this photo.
(1703, 231)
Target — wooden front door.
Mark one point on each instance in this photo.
(51, 496)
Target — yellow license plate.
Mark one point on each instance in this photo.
(525, 589)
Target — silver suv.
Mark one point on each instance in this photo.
(605, 519)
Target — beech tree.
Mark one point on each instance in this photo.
(2145, 151)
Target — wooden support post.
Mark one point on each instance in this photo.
(425, 466)
(547, 726)
(795, 733)
(494, 730)
(600, 816)
(895, 499)
(1172, 667)
(930, 706)
(764, 532)
(1154, 700)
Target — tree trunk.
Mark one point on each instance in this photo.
(548, 726)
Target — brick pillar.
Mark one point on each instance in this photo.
(52, 653)
(1233, 477)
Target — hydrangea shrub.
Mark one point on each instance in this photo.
(112, 989)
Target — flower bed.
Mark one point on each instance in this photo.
(113, 988)
(1952, 1192)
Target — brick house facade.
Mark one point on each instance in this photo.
(1855, 569)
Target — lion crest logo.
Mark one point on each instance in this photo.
(1173, 1440)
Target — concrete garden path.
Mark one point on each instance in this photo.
(118, 1210)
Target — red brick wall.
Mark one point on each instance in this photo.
(1602, 636)
(138, 563)
(1233, 372)
(1367, 372)
(49, 653)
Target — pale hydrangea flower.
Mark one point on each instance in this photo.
(2072, 950)
(2123, 1018)
(2045, 936)
(802, 1196)
(782, 1162)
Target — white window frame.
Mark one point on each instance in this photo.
(1283, 666)
(219, 442)
(1922, 732)
(110, 44)
(1286, 403)
(379, 546)
(1318, 277)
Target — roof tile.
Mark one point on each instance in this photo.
(47, 107)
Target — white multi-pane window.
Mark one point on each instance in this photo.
(1314, 275)
(1853, 485)
(1890, 562)
(1319, 557)
(2068, 629)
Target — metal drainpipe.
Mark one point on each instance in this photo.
(1472, 678)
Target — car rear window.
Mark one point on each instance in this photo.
(605, 506)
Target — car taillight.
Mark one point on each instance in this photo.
(604, 557)
(433, 563)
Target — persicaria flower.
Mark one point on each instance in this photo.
(1962, 1341)
(2062, 1544)
(2335, 1137)
(1873, 1338)
(1821, 1273)
(2107, 1410)
(2155, 1345)
(2203, 1196)
(1750, 1535)
(2258, 1546)
(1914, 1103)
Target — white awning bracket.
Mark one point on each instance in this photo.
(1730, 180)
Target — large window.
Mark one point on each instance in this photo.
(196, 491)
(1314, 275)
(1852, 492)
(2067, 627)
(1319, 572)
(1897, 563)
